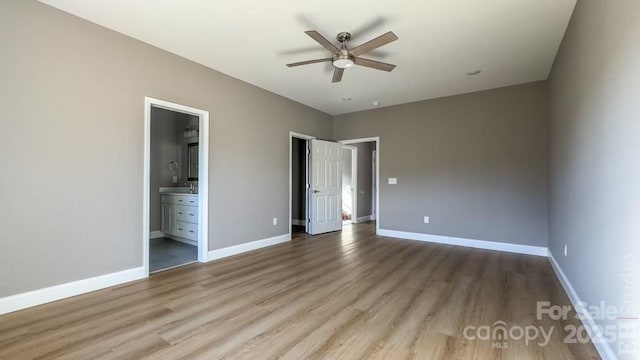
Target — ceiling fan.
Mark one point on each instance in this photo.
(343, 58)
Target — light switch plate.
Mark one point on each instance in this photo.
(393, 181)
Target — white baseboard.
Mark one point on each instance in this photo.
(238, 249)
(297, 222)
(480, 244)
(364, 219)
(605, 350)
(156, 234)
(41, 296)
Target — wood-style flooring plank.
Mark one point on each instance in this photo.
(343, 295)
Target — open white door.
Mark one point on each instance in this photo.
(325, 213)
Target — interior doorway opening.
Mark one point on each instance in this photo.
(299, 184)
(173, 189)
(365, 179)
(175, 200)
(320, 196)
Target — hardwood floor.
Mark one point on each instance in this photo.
(349, 295)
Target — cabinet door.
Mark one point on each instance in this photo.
(168, 220)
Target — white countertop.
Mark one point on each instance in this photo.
(177, 191)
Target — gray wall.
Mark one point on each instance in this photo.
(72, 105)
(298, 178)
(166, 145)
(477, 164)
(595, 182)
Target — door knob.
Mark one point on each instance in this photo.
(316, 191)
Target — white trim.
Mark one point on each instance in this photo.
(354, 184)
(297, 222)
(173, 267)
(605, 350)
(360, 140)
(292, 135)
(42, 296)
(375, 139)
(364, 219)
(250, 246)
(374, 184)
(479, 244)
(203, 176)
(203, 186)
(146, 185)
(156, 234)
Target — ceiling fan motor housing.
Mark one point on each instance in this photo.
(343, 36)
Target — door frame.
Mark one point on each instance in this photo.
(307, 138)
(354, 182)
(375, 139)
(203, 176)
(374, 183)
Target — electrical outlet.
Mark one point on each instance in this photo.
(393, 181)
(275, 221)
(565, 249)
(426, 219)
(175, 179)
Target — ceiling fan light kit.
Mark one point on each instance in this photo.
(343, 61)
(343, 58)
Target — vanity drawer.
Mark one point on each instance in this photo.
(187, 230)
(187, 213)
(188, 200)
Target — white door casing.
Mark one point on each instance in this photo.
(326, 187)
(203, 176)
(374, 184)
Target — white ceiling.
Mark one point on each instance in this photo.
(512, 41)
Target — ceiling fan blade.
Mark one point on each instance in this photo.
(379, 65)
(375, 43)
(337, 75)
(308, 62)
(367, 27)
(323, 41)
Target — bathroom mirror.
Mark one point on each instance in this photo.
(192, 161)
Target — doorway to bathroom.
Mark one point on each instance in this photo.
(349, 159)
(175, 198)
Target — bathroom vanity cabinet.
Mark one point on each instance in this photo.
(180, 216)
